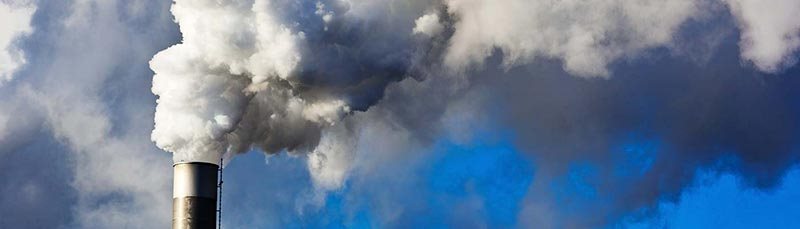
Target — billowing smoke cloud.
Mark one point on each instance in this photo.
(361, 86)
(305, 77)
(201, 83)
(282, 75)
(270, 74)
(276, 74)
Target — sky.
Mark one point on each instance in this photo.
(398, 114)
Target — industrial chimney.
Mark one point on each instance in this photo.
(194, 195)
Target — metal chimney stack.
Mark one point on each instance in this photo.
(194, 195)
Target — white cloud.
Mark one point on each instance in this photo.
(586, 35)
(428, 24)
(770, 31)
(16, 17)
(120, 179)
(329, 164)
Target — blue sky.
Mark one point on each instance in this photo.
(485, 179)
(403, 114)
(722, 201)
(488, 180)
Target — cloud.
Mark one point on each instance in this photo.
(586, 35)
(769, 32)
(428, 24)
(645, 144)
(635, 138)
(80, 92)
(273, 79)
(350, 87)
(330, 162)
(16, 22)
(282, 83)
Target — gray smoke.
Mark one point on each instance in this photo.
(272, 74)
(576, 80)
(643, 93)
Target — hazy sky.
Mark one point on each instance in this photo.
(398, 114)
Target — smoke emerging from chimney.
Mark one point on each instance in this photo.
(246, 76)
(284, 75)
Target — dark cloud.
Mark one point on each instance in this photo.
(36, 186)
(85, 113)
(632, 140)
(716, 115)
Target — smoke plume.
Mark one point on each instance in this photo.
(307, 77)
(244, 75)
(617, 105)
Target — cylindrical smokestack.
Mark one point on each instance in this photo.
(194, 195)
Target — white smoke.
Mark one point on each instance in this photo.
(277, 75)
(329, 164)
(770, 31)
(16, 16)
(428, 24)
(230, 52)
(586, 35)
(249, 74)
